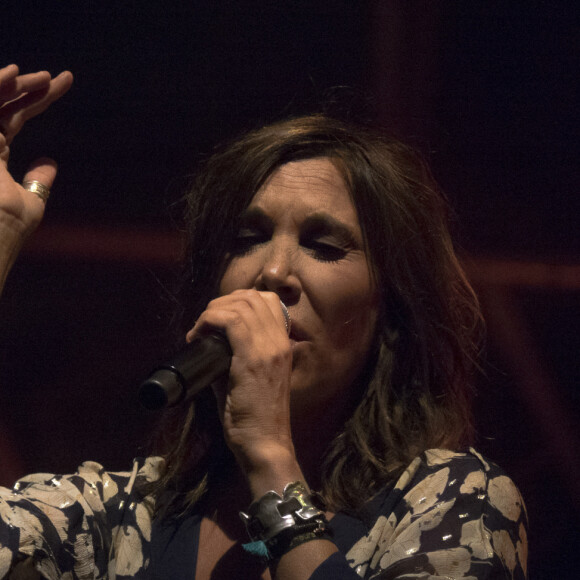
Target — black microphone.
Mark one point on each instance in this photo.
(196, 366)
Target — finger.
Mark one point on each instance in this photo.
(277, 308)
(268, 306)
(32, 104)
(36, 102)
(39, 178)
(42, 170)
(259, 313)
(4, 149)
(8, 73)
(12, 88)
(226, 316)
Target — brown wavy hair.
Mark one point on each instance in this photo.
(417, 392)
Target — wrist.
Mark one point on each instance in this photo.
(269, 467)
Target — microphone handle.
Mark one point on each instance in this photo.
(195, 367)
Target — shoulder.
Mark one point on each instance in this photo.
(93, 473)
(443, 473)
(449, 513)
(59, 516)
(92, 480)
(439, 475)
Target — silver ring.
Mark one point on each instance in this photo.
(287, 319)
(39, 189)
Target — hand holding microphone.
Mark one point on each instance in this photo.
(196, 366)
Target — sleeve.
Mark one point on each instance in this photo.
(65, 525)
(457, 516)
(335, 567)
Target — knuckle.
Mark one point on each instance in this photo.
(236, 318)
(248, 294)
(271, 298)
(211, 304)
(282, 357)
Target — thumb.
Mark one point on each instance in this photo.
(43, 171)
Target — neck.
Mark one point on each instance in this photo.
(312, 437)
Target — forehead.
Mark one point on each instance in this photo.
(308, 186)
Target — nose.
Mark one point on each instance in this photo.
(278, 273)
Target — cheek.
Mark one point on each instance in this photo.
(355, 334)
(236, 276)
(350, 311)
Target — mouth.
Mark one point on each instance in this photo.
(297, 334)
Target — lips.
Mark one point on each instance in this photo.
(297, 334)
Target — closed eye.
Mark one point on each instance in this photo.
(324, 252)
(247, 241)
(328, 239)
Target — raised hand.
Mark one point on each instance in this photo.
(21, 209)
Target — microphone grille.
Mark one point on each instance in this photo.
(287, 319)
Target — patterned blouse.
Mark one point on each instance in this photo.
(450, 515)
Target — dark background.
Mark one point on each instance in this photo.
(486, 90)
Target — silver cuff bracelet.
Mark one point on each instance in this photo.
(272, 514)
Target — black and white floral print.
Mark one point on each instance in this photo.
(93, 524)
(450, 515)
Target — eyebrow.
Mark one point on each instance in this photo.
(319, 224)
(255, 217)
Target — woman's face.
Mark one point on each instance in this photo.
(300, 237)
